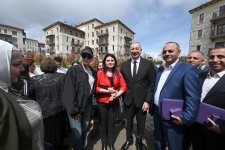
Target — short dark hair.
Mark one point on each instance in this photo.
(178, 46)
(58, 58)
(48, 65)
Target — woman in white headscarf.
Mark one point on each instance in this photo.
(21, 125)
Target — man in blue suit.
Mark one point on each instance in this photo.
(175, 80)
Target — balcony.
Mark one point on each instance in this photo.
(218, 16)
(77, 43)
(50, 40)
(214, 35)
(127, 41)
(104, 33)
(103, 42)
(6, 37)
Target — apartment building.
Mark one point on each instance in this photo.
(31, 45)
(111, 37)
(63, 39)
(13, 35)
(208, 26)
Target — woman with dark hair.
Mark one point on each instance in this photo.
(46, 89)
(110, 85)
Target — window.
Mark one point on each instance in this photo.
(221, 29)
(199, 33)
(0, 30)
(113, 38)
(14, 32)
(198, 47)
(92, 26)
(71, 32)
(93, 42)
(67, 39)
(5, 31)
(201, 18)
(121, 30)
(67, 47)
(113, 47)
(113, 29)
(93, 34)
(219, 44)
(222, 10)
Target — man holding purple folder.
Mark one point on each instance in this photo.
(213, 93)
(179, 81)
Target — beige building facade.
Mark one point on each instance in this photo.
(31, 45)
(111, 37)
(63, 39)
(208, 26)
(13, 35)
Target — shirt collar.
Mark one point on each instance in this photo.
(171, 66)
(138, 60)
(217, 75)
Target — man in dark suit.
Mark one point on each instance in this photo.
(213, 93)
(175, 80)
(139, 75)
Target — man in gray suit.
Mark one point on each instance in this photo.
(139, 75)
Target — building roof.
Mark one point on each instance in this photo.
(9, 26)
(113, 22)
(63, 24)
(203, 6)
(31, 39)
(89, 21)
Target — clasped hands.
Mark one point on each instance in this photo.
(113, 93)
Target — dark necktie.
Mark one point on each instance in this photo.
(134, 68)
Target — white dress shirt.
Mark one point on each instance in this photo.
(137, 64)
(162, 80)
(209, 82)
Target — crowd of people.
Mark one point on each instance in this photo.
(44, 111)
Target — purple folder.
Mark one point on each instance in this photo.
(171, 107)
(209, 111)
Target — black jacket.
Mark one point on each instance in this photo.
(76, 92)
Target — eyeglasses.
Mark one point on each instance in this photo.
(86, 55)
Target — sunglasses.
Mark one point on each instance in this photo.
(86, 55)
(169, 51)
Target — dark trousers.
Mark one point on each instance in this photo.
(108, 113)
(166, 132)
(131, 112)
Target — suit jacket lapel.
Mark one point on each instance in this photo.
(176, 67)
(219, 84)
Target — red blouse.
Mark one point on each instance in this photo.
(103, 81)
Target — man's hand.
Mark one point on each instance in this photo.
(213, 126)
(145, 107)
(77, 117)
(176, 120)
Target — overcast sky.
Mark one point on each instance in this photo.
(155, 22)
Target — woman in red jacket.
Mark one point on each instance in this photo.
(110, 84)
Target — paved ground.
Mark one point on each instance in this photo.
(95, 143)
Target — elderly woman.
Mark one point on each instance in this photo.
(77, 97)
(20, 119)
(46, 89)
